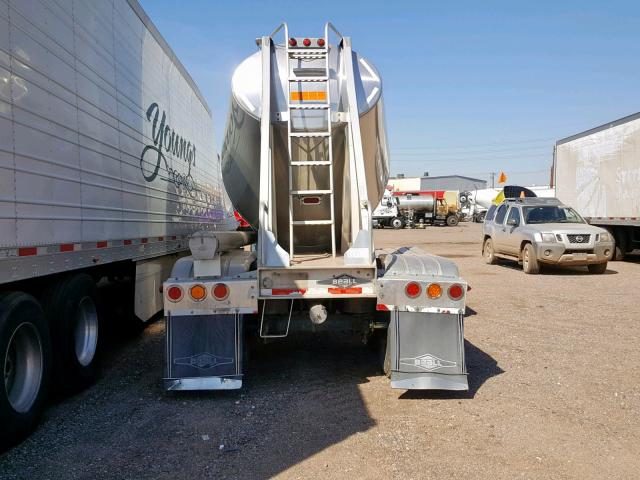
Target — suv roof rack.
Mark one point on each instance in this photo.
(534, 201)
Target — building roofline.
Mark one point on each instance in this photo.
(606, 126)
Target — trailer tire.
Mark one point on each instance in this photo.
(480, 217)
(25, 353)
(530, 262)
(620, 244)
(397, 223)
(452, 220)
(72, 308)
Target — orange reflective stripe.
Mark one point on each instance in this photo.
(311, 96)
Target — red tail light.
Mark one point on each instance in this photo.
(220, 291)
(412, 290)
(306, 42)
(293, 42)
(456, 291)
(321, 42)
(174, 293)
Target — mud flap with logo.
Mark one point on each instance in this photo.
(204, 352)
(427, 351)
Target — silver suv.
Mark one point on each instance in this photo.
(540, 231)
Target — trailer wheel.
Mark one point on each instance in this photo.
(480, 217)
(620, 244)
(25, 353)
(72, 309)
(452, 220)
(397, 223)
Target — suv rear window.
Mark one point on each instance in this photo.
(491, 213)
(502, 210)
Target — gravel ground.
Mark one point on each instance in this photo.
(553, 366)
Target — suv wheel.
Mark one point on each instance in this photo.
(488, 252)
(598, 268)
(530, 262)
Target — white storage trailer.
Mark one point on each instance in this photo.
(305, 161)
(598, 173)
(107, 165)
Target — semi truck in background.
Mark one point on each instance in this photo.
(305, 161)
(598, 173)
(417, 209)
(107, 166)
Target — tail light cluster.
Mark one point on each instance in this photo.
(434, 290)
(198, 292)
(307, 42)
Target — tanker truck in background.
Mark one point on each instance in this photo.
(107, 166)
(305, 161)
(598, 173)
(417, 209)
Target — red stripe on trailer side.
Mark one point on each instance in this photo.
(27, 251)
(66, 247)
(127, 242)
(101, 244)
(144, 240)
(288, 291)
(161, 239)
(345, 291)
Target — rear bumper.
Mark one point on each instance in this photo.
(556, 253)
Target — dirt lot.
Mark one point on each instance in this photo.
(554, 367)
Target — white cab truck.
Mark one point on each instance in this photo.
(107, 166)
(305, 161)
(598, 173)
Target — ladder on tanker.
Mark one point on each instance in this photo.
(315, 102)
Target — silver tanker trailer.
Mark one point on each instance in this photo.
(304, 159)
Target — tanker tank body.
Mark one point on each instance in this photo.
(241, 149)
(305, 146)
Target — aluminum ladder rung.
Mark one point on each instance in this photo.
(308, 79)
(310, 51)
(310, 134)
(313, 222)
(310, 164)
(317, 106)
(310, 192)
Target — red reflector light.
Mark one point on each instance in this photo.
(311, 200)
(321, 42)
(306, 42)
(174, 293)
(381, 307)
(345, 291)
(456, 291)
(293, 42)
(412, 290)
(220, 291)
(27, 251)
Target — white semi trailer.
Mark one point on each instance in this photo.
(305, 161)
(107, 165)
(598, 173)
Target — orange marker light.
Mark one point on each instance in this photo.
(198, 292)
(434, 291)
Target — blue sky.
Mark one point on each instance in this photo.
(471, 87)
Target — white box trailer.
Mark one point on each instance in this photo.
(107, 165)
(598, 173)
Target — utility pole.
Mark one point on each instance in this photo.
(493, 179)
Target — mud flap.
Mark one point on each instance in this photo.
(427, 351)
(204, 352)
